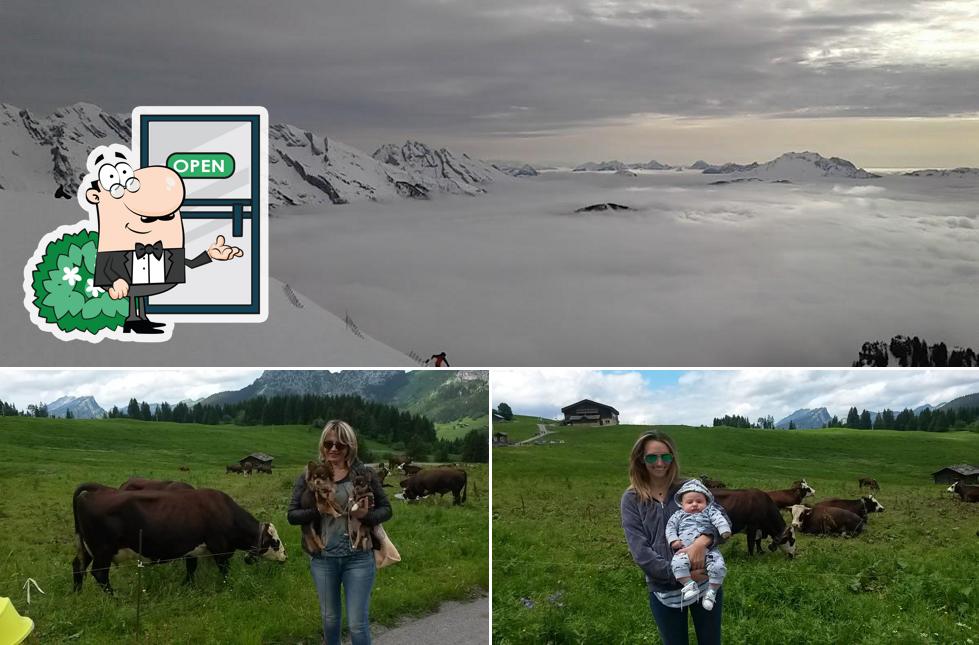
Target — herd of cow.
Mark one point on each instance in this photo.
(758, 513)
(422, 482)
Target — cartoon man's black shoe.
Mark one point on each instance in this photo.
(141, 327)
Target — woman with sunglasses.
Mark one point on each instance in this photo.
(339, 564)
(646, 506)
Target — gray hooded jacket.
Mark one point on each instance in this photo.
(687, 527)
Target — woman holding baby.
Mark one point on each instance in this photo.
(646, 508)
(341, 561)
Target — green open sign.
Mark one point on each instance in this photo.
(202, 165)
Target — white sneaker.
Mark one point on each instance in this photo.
(690, 591)
(709, 597)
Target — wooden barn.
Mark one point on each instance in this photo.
(588, 412)
(256, 459)
(965, 473)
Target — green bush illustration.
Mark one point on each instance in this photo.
(64, 293)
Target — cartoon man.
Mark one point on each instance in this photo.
(141, 233)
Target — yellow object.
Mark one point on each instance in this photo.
(14, 628)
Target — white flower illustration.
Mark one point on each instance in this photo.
(91, 288)
(71, 276)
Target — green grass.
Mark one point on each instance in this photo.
(909, 578)
(522, 427)
(444, 548)
(461, 427)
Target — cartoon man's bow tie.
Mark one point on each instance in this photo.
(156, 249)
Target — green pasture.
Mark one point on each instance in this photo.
(444, 548)
(562, 572)
(522, 427)
(459, 428)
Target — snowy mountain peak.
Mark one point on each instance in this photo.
(439, 169)
(808, 165)
(805, 419)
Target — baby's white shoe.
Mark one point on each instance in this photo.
(690, 591)
(709, 597)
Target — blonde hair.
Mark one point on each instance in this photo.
(344, 434)
(639, 478)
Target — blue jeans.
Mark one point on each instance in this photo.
(672, 623)
(356, 573)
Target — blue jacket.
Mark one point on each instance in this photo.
(644, 524)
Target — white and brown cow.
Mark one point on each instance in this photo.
(111, 524)
(863, 506)
(965, 492)
(751, 510)
(827, 520)
(791, 496)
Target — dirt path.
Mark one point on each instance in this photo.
(455, 623)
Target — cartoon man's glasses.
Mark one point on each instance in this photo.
(118, 179)
(666, 458)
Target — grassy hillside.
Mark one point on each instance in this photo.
(461, 427)
(444, 548)
(441, 397)
(558, 544)
(521, 427)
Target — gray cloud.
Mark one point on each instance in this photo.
(372, 71)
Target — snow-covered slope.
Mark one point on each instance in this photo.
(802, 166)
(441, 169)
(307, 169)
(652, 164)
(41, 155)
(945, 172)
(591, 166)
(516, 170)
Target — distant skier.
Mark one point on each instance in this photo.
(439, 360)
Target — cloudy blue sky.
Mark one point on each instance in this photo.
(697, 397)
(882, 83)
(116, 387)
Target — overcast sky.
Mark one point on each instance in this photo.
(697, 397)
(116, 387)
(881, 83)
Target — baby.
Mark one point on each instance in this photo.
(697, 514)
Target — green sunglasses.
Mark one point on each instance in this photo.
(666, 458)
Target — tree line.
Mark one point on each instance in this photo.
(412, 433)
(927, 420)
(914, 352)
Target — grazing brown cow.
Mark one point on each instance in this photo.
(965, 492)
(264, 468)
(139, 483)
(863, 506)
(751, 510)
(111, 524)
(185, 469)
(396, 460)
(381, 471)
(791, 496)
(410, 469)
(871, 483)
(436, 480)
(234, 468)
(712, 483)
(826, 520)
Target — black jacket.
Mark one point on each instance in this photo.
(380, 511)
